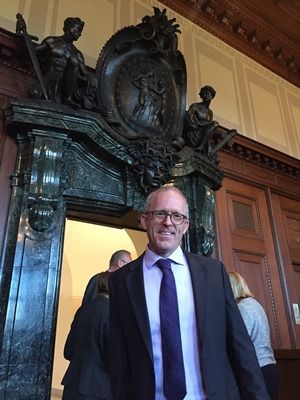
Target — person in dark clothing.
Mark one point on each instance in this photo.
(86, 348)
(118, 259)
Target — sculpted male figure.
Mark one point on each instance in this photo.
(66, 75)
(214, 357)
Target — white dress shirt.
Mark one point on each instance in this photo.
(187, 319)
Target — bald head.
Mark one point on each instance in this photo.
(119, 259)
(171, 189)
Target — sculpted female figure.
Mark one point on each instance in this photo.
(199, 123)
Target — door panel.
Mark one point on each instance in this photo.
(243, 216)
(246, 245)
(287, 226)
(255, 269)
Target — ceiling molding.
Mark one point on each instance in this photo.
(266, 31)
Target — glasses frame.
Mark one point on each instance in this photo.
(167, 214)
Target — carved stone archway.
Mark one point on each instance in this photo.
(68, 160)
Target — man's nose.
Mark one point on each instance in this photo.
(167, 220)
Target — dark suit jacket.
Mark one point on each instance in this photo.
(229, 365)
(86, 348)
(91, 290)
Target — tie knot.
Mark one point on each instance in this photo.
(164, 263)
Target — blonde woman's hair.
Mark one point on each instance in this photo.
(239, 286)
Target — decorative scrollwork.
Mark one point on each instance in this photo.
(142, 80)
(41, 214)
(160, 30)
(44, 188)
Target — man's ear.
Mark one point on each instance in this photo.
(143, 221)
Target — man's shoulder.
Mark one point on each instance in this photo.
(199, 259)
(94, 277)
(52, 39)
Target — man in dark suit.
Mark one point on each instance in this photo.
(215, 358)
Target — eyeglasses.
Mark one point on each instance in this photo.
(161, 215)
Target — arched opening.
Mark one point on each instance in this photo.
(87, 250)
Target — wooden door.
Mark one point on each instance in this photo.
(287, 229)
(246, 246)
(8, 153)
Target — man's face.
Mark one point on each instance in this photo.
(76, 30)
(164, 236)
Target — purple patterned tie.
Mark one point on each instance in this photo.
(173, 367)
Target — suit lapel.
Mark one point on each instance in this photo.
(136, 292)
(198, 275)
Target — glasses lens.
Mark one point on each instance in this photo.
(176, 218)
(161, 215)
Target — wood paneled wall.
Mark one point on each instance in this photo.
(16, 77)
(289, 368)
(258, 229)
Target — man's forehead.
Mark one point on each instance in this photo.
(168, 197)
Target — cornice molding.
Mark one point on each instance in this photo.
(265, 157)
(237, 24)
(16, 70)
(13, 53)
(256, 163)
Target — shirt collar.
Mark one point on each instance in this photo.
(176, 257)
